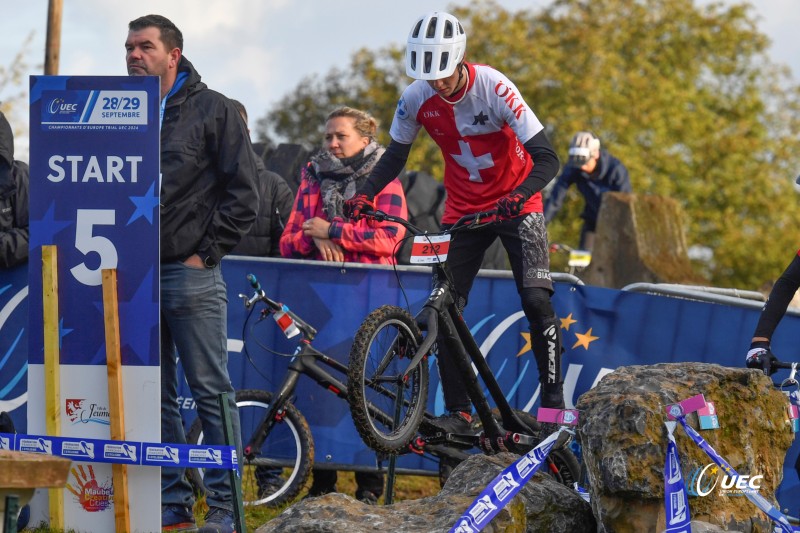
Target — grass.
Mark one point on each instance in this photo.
(406, 488)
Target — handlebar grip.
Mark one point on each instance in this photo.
(254, 282)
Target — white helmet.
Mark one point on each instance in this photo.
(584, 146)
(436, 46)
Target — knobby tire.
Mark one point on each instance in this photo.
(382, 349)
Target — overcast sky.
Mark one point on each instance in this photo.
(257, 50)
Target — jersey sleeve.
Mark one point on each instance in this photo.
(509, 104)
(405, 127)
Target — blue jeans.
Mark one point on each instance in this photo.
(194, 321)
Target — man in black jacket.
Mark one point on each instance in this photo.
(275, 204)
(13, 201)
(208, 202)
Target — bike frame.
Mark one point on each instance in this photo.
(305, 361)
(440, 316)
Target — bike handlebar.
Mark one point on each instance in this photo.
(467, 221)
(307, 329)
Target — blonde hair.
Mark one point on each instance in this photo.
(365, 124)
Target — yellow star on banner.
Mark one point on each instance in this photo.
(584, 339)
(567, 322)
(527, 337)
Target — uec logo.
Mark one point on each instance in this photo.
(705, 480)
(59, 106)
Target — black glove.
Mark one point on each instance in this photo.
(511, 205)
(354, 207)
(762, 358)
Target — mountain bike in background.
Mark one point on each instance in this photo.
(577, 260)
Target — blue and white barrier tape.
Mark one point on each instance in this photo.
(124, 452)
(781, 522)
(504, 487)
(676, 502)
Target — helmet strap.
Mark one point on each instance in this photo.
(464, 87)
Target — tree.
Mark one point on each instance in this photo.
(684, 95)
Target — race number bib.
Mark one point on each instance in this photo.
(429, 249)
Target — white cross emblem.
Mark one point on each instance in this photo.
(472, 164)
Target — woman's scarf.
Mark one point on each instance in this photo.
(340, 178)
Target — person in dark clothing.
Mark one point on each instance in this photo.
(781, 295)
(595, 172)
(778, 302)
(275, 204)
(14, 177)
(208, 202)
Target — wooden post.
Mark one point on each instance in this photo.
(116, 405)
(52, 51)
(52, 367)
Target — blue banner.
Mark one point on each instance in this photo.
(602, 329)
(14, 344)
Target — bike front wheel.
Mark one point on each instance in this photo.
(278, 473)
(386, 408)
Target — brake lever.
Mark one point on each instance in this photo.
(249, 301)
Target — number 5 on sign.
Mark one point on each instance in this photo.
(430, 249)
(86, 242)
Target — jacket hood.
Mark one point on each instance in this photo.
(191, 84)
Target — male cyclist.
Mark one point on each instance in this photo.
(496, 156)
(595, 172)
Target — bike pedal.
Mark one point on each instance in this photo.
(461, 440)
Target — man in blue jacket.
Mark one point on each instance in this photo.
(595, 172)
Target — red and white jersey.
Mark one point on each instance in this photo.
(481, 137)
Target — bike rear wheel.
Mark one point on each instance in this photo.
(279, 472)
(386, 410)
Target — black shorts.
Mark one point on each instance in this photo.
(524, 239)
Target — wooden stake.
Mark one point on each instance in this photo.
(52, 370)
(119, 473)
(52, 51)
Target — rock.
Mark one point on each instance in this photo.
(639, 239)
(624, 439)
(542, 505)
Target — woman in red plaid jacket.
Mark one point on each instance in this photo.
(317, 228)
